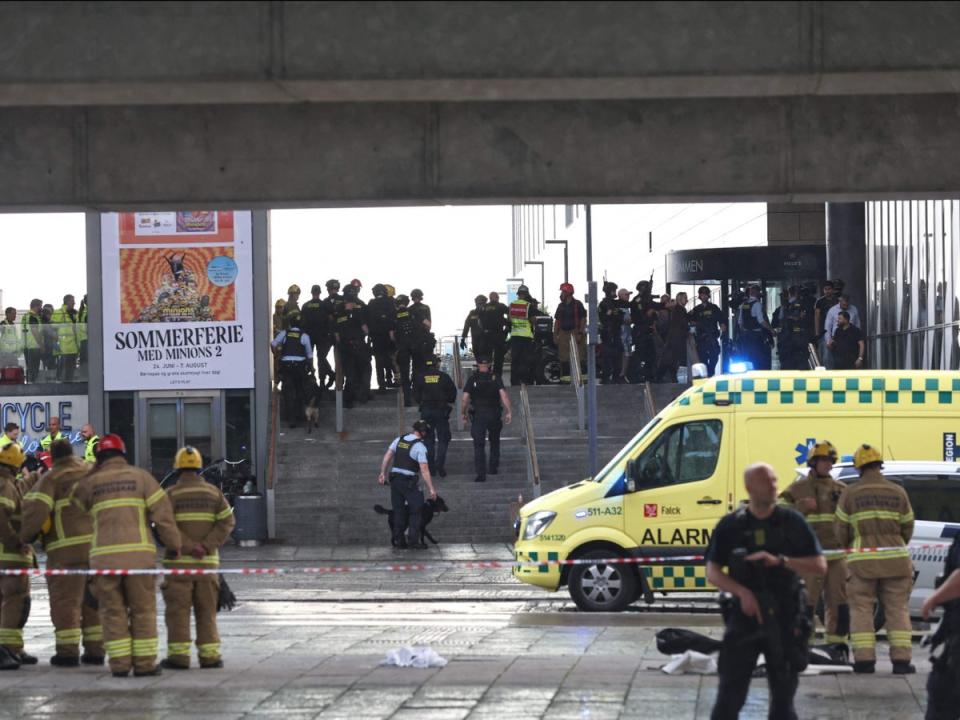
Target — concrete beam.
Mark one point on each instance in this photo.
(760, 149)
(173, 53)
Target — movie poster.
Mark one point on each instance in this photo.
(178, 300)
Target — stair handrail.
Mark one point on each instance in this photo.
(576, 379)
(533, 464)
(458, 379)
(813, 360)
(338, 371)
(271, 469)
(401, 414)
(649, 404)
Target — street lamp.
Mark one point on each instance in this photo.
(566, 269)
(543, 282)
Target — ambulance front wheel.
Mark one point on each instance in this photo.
(602, 587)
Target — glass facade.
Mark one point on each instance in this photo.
(913, 284)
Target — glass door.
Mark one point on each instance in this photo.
(173, 422)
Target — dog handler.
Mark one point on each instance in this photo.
(409, 455)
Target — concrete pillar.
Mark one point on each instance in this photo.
(262, 360)
(847, 250)
(96, 398)
(796, 224)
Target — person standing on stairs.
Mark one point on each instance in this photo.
(409, 455)
(485, 398)
(435, 392)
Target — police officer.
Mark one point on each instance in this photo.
(296, 353)
(496, 326)
(643, 317)
(752, 323)
(611, 343)
(791, 339)
(522, 312)
(14, 589)
(943, 684)
(293, 299)
(382, 320)
(485, 399)
(351, 333)
(765, 546)
(708, 325)
(407, 336)
(815, 497)
(420, 312)
(313, 320)
(474, 326)
(90, 439)
(876, 513)
(331, 307)
(409, 456)
(435, 392)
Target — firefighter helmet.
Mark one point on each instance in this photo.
(293, 290)
(12, 456)
(187, 458)
(865, 455)
(566, 287)
(111, 442)
(822, 449)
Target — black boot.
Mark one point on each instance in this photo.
(903, 667)
(27, 659)
(92, 659)
(864, 667)
(64, 661)
(170, 665)
(148, 673)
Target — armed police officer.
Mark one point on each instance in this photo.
(351, 331)
(314, 321)
(409, 456)
(708, 326)
(943, 684)
(496, 325)
(876, 513)
(764, 545)
(753, 329)
(435, 392)
(485, 399)
(816, 497)
(473, 326)
(420, 312)
(296, 353)
(643, 318)
(408, 336)
(611, 342)
(382, 319)
(792, 337)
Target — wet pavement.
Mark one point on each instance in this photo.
(307, 646)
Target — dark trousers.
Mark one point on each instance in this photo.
(404, 360)
(292, 377)
(498, 347)
(67, 368)
(943, 692)
(521, 361)
(32, 361)
(709, 351)
(738, 658)
(406, 497)
(383, 352)
(611, 352)
(438, 434)
(644, 358)
(751, 347)
(486, 423)
(356, 371)
(324, 370)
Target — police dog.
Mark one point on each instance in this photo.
(429, 509)
(312, 411)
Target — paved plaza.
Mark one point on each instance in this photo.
(310, 646)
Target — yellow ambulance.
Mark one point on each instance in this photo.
(664, 492)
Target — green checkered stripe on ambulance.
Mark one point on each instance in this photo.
(813, 390)
(676, 577)
(537, 556)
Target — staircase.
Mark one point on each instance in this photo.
(327, 482)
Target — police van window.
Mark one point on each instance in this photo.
(682, 454)
(935, 498)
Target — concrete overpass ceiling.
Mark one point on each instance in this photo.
(84, 53)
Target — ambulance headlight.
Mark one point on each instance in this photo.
(537, 523)
(740, 366)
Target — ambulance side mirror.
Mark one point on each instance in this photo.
(633, 475)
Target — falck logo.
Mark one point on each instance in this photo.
(649, 509)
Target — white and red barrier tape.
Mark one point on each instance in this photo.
(409, 567)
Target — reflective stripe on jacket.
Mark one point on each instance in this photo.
(90, 451)
(826, 491)
(10, 509)
(67, 541)
(520, 325)
(203, 516)
(123, 499)
(874, 512)
(66, 325)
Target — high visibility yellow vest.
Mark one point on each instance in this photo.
(66, 331)
(29, 340)
(82, 314)
(10, 341)
(90, 453)
(520, 325)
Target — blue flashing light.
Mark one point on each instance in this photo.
(740, 366)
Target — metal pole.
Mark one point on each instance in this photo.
(566, 264)
(592, 450)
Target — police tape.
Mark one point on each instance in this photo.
(412, 567)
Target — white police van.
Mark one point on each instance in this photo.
(934, 490)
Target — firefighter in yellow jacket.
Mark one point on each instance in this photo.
(67, 532)
(123, 500)
(875, 513)
(205, 520)
(14, 589)
(816, 497)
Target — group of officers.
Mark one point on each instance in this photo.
(98, 516)
(847, 544)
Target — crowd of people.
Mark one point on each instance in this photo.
(49, 344)
(96, 513)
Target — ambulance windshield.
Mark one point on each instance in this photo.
(620, 456)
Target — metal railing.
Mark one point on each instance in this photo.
(533, 465)
(649, 405)
(338, 371)
(456, 372)
(401, 414)
(813, 360)
(576, 379)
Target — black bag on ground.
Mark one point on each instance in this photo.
(226, 600)
(675, 641)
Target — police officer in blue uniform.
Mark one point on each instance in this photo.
(753, 330)
(435, 392)
(485, 399)
(708, 325)
(409, 456)
(296, 356)
(943, 684)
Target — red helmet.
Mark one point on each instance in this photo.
(111, 442)
(356, 283)
(46, 459)
(566, 287)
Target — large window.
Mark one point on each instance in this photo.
(682, 454)
(935, 498)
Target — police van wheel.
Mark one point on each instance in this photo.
(602, 587)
